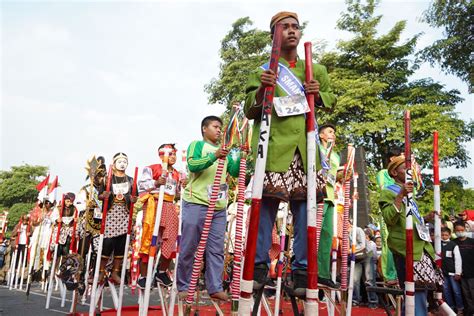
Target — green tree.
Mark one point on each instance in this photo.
(371, 75)
(19, 184)
(454, 52)
(243, 49)
(454, 197)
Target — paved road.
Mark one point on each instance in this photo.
(15, 302)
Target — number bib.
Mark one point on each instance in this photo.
(291, 105)
(221, 195)
(170, 186)
(97, 213)
(423, 232)
(120, 189)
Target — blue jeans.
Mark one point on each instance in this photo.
(268, 211)
(193, 217)
(357, 277)
(450, 287)
(421, 297)
(369, 269)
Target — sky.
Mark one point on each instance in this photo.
(84, 78)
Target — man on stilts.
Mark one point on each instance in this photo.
(153, 177)
(90, 219)
(116, 223)
(285, 171)
(327, 136)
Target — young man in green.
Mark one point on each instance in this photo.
(202, 163)
(392, 204)
(384, 180)
(327, 136)
(285, 171)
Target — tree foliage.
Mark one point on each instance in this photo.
(18, 190)
(18, 185)
(454, 197)
(454, 52)
(371, 75)
(243, 49)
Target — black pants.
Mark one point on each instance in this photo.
(115, 244)
(63, 250)
(21, 250)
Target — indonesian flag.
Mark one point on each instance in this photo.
(53, 189)
(42, 187)
(42, 184)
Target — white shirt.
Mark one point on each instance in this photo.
(22, 239)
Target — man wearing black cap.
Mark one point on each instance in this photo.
(285, 170)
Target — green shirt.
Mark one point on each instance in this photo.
(395, 222)
(202, 164)
(335, 161)
(287, 134)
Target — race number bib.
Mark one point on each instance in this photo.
(291, 105)
(221, 195)
(423, 232)
(120, 188)
(97, 213)
(170, 186)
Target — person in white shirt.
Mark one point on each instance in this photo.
(452, 271)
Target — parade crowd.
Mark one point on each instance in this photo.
(116, 221)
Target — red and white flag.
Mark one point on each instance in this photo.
(42, 187)
(42, 184)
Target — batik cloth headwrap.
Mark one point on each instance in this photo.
(395, 163)
(282, 15)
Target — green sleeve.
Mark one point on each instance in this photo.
(389, 212)
(197, 163)
(233, 164)
(325, 91)
(252, 111)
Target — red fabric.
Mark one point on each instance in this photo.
(470, 215)
(292, 64)
(169, 229)
(73, 246)
(158, 170)
(53, 185)
(144, 257)
(42, 184)
(274, 251)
